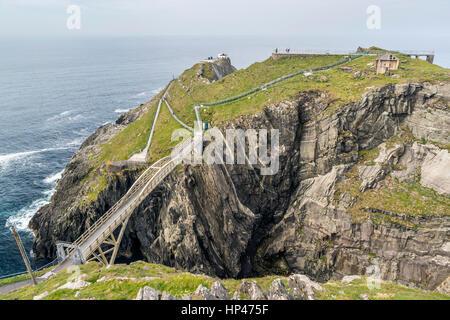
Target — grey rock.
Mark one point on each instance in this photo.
(204, 293)
(364, 296)
(255, 292)
(236, 296)
(435, 172)
(166, 296)
(148, 293)
(278, 291)
(41, 296)
(244, 288)
(304, 286)
(219, 291)
(349, 279)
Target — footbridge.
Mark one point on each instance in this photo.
(429, 55)
(101, 241)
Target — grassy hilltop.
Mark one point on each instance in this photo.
(344, 84)
(192, 88)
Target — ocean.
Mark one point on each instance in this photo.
(55, 91)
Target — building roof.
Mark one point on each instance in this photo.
(387, 56)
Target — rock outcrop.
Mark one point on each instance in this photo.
(229, 221)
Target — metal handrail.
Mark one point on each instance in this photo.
(143, 185)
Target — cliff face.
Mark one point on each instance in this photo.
(229, 221)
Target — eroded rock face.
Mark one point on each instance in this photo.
(229, 221)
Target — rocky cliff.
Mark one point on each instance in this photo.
(325, 213)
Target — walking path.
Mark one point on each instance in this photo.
(143, 155)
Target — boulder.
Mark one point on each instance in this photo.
(41, 296)
(204, 293)
(219, 291)
(349, 279)
(148, 293)
(79, 284)
(255, 292)
(47, 275)
(166, 296)
(244, 288)
(304, 285)
(236, 296)
(278, 291)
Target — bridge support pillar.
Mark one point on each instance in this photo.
(117, 243)
(75, 256)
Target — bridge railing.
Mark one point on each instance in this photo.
(152, 176)
(154, 181)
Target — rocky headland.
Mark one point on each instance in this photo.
(363, 189)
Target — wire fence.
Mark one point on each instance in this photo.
(48, 265)
(278, 80)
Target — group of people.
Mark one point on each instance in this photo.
(210, 58)
(287, 50)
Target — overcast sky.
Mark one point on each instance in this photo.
(225, 17)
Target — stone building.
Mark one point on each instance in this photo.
(386, 63)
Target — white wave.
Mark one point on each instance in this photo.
(6, 159)
(121, 110)
(75, 143)
(53, 178)
(61, 115)
(151, 93)
(22, 218)
(75, 118)
(156, 91)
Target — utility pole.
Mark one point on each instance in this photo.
(24, 256)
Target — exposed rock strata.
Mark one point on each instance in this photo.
(229, 221)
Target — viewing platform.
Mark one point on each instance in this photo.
(429, 55)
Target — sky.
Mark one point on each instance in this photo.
(229, 17)
(335, 25)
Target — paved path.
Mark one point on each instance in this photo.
(17, 285)
(143, 155)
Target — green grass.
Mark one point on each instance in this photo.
(179, 283)
(190, 88)
(341, 86)
(162, 143)
(131, 140)
(336, 290)
(409, 198)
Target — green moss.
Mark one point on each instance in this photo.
(368, 156)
